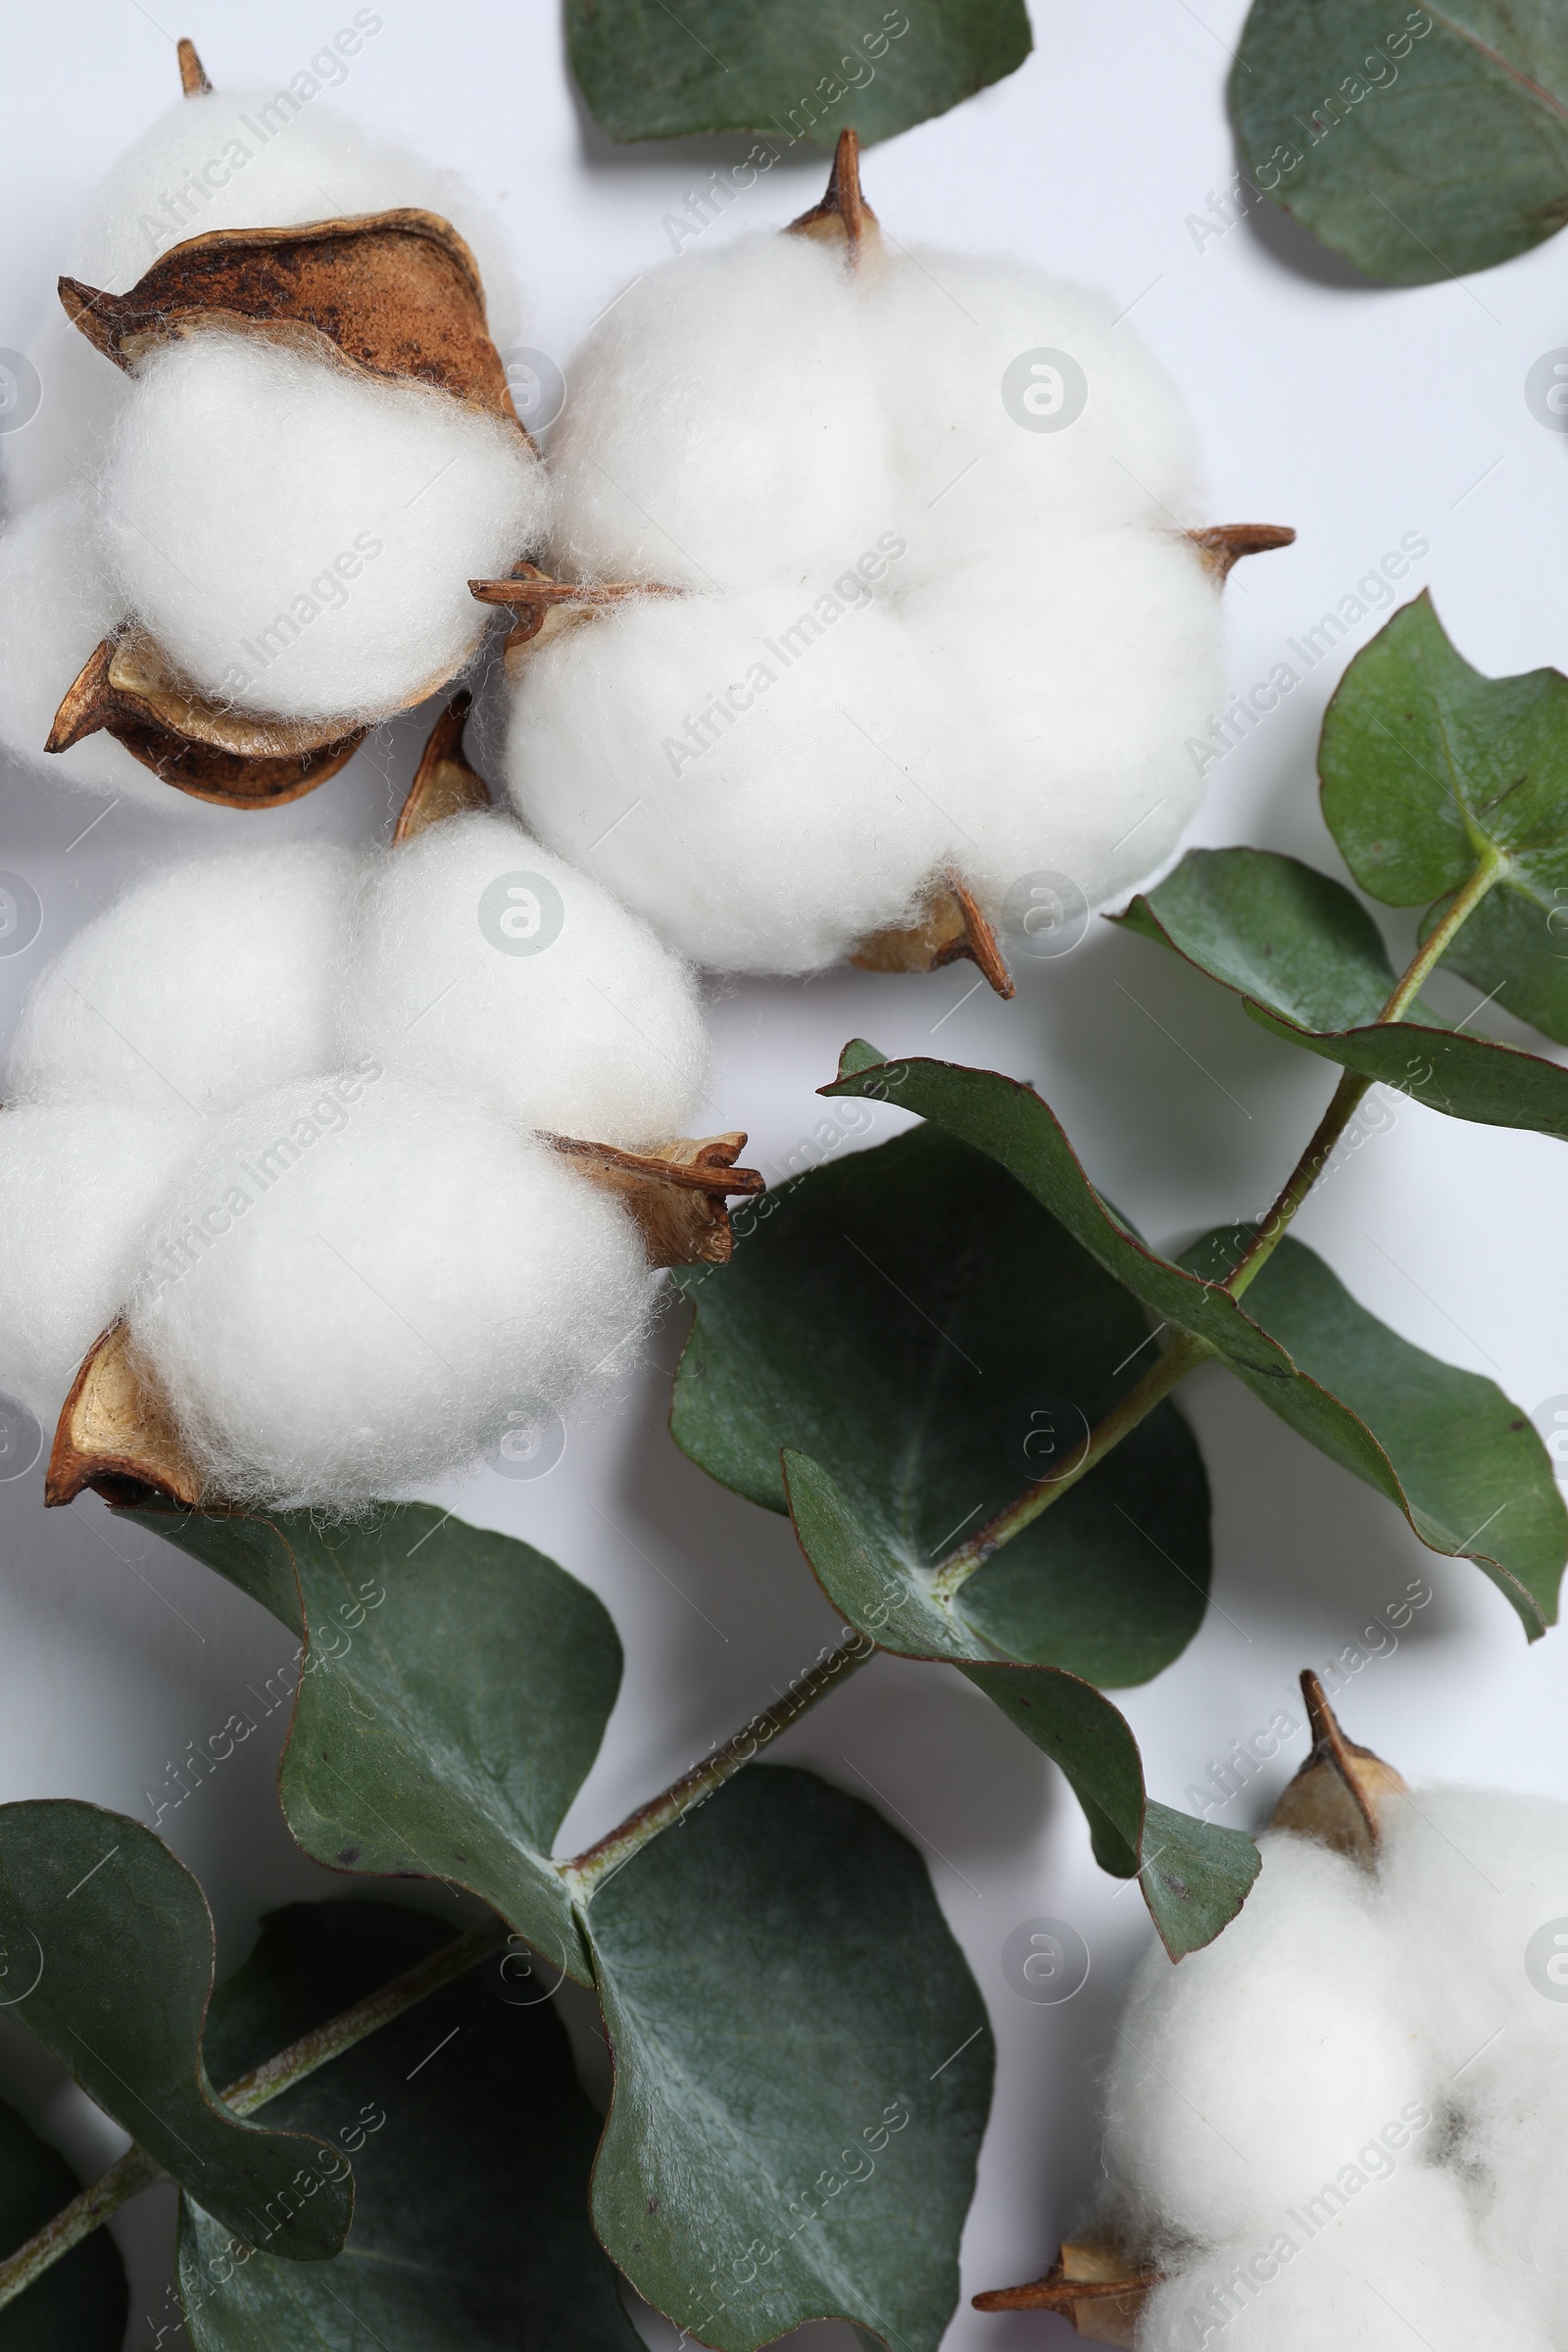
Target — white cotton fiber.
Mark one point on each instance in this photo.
(1065, 701)
(1263, 2061)
(753, 777)
(723, 426)
(484, 964)
(1346, 2123)
(357, 1279)
(80, 1185)
(57, 602)
(206, 983)
(990, 456)
(1397, 2268)
(246, 159)
(300, 539)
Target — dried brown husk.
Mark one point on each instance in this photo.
(392, 296)
(1336, 1798)
(116, 1432)
(545, 607)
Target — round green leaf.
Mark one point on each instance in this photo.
(1421, 142)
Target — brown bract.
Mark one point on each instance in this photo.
(844, 218)
(444, 784)
(131, 690)
(949, 925)
(545, 607)
(117, 1435)
(1335, 1799)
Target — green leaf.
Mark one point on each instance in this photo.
(802, 2071)
(919, 1325)
(1308, 964)
(1006, 1119)
(1195, 1875)
(1431, 770)
(808, 71)
(1514, 947)
(471, 2145)
(1420, 144)
(1462, 1461)
(1523, 1555)
(1272, 929)
(83, 2301)
(122, 1941)
(453, 1695)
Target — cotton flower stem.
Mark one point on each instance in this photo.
(136, 2170)
(1186, 1351)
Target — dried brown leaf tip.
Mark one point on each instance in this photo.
(844, 218)
(545, 607)
(1337, 1794)
(192, 73)
(130, 690)
(949, 926)
(1222, 545)
(117, 1436)
(1092, 2284)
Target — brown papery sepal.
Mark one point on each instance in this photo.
(949, 926)
(844, 218)
(192, 73)
(544, 607)
(444, 784)
(1222, 545)
(117, 1436)
(1090, 2284)
(1337, 1795)
(130, 690)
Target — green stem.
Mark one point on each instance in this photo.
(1184, 1353)
(1348, 1093)
(588, 1870)
(136, 2170)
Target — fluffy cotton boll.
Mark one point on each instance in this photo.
(1066, 690)
(484, 964)
(57, 602)
(1017, 409)
(1475, 1875)
(1516, 2146)
(299, 539)
(724, 427)
(1395, 2268)
(246, 159)
(386, 1271)
(80, 1185)
(206, 983)
(1257, 2068)
(749, 777)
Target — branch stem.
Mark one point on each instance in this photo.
(136, 2170)
(1184, 1353)
(589, 1869)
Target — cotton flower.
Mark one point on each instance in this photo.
(1342, 2123)
(264, 467)
(940, 619)
(339, 1142)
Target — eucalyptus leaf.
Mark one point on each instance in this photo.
(1427, 764)
(802, 2071)
(1514, 947)
(471, 2145)
(82, 2302)
(1195, 1875)
(915, 1322)
(121, 1938)
(1310, 965)
(804, 71)
(1422, 143)
(452, 1693)
(1462, 1461)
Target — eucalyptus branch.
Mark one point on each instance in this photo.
(136, 2170)
(1186, 1353)
(587, 1871)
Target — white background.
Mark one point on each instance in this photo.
(1356, 414)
